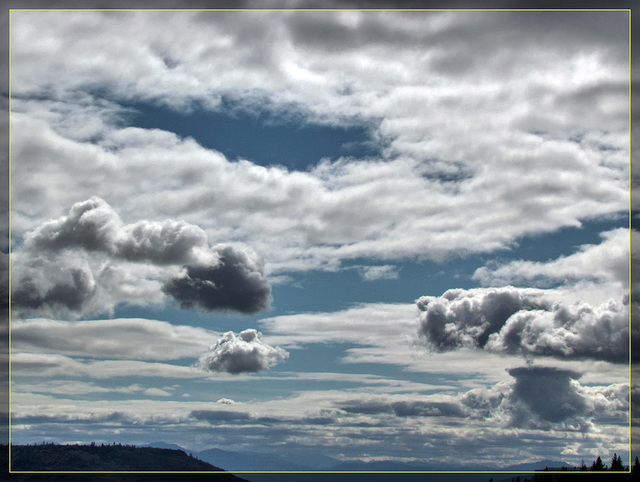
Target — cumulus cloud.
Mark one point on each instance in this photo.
(546, 397)
(236, 282)
(525, 321)
(86, 262)
(243, 353)
(578, 331)
(467, 317)
(93, 225)
(547, 393)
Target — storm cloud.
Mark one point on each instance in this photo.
(245, 353)
(549, 394)
(524, 321)
(237, 282)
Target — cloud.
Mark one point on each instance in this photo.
(376, 324)
(214, 416)
(482, 193)
(245, 353)
(93, 225)
(374, 273)
(607, 261)
(524, 321)
(573, 332)
(88, 261)
(543, 397)
(236, 282)
(54, 365)
(546, 393)
(121, 338)
(467, 318)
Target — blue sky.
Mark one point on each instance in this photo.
(369, 235)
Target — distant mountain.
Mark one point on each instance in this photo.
(234, 461)
(540, 465)
(164, 445)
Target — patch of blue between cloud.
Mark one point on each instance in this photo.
(343, 288)
(263, 137)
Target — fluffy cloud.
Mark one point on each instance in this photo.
(240, 354)
(525, 321)
(546, 393)
(236, 282)
(547, 397)
(578, 331)
(467, 318)
(93, 225)
(88, 261)
(482, 193)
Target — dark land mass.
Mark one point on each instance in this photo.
(105, 458)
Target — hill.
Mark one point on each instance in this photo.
(104, 458)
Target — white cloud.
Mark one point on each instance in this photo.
(463, 188)
(39, 364)
(245, 353)
(604, 262)
(374, 273)
(377, 324)
(123, 338)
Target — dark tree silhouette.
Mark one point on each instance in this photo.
(616, 463)
(598, 465)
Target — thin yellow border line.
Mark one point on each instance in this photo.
(9, 220)
(628, 10)
(630, 248)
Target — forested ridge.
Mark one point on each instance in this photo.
(49, 457)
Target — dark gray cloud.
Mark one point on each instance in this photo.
(467, 317)
(405, 408)
(522, 321)
(70, 295)
(214, 416)
(245, 353)
(546, 393)
(236, 282)
(88, 261)
(541, 397)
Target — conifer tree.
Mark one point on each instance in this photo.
(598, 465)
(616, 463)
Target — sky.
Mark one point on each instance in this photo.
(368, 235)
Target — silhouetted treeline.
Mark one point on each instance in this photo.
(615, 470)
(48, 457)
